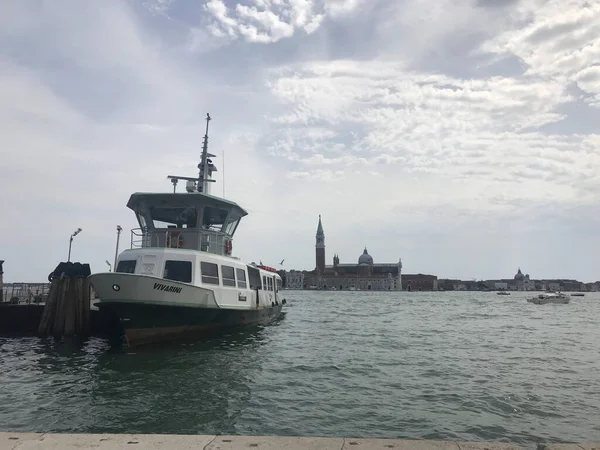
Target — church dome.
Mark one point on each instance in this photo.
(365, 258)
(519, 276)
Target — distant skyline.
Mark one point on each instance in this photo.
(461, 136)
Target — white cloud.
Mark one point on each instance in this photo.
(469, 148)
(588, 80)
(555, 39)
(336, 8)
(414, 163)
(268, 21)
(160, 7)
(74, 164)
(483, 129)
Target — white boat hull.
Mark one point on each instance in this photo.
(549, 299)
(152, 309)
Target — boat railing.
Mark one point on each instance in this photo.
(192, 239)
(25, 293)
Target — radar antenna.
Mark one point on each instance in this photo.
(205, 169)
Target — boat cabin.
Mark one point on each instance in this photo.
(190, 220)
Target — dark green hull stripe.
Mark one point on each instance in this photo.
(145, 323)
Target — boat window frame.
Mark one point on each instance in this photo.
(241, 281)
(217, 225)
(125, 262)
(228, 281)
(209, 279)
(253, 278)
(189, 270)
(278, 283)
(231, 224)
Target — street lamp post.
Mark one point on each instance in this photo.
(119, 229)
(75, 233)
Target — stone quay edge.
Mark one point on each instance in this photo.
(51, 441)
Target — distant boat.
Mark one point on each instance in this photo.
(577, 294)
(556, 297)
(503, 293)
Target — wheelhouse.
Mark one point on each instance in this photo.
(191, 220)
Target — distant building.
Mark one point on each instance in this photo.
(294, 279)
(420, 282)
(520, 282)
(523, 282)
(363, 275)
(553, 286)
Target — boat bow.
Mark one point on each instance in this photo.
(114, 287)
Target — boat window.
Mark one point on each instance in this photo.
(264, 283)
(228, 275)
(213, 218)
(143, 216)
(142, 221)
(178, 271)
(174, 217)
(210, 273)
(126, 266)
(241, 278)
(270, 283)
(231, 226)
(278, 285)
(254, 278)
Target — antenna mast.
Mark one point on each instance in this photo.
(202, 165)
(206, 168)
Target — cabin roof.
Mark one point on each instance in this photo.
(184, 199)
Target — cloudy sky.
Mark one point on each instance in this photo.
(460, 135)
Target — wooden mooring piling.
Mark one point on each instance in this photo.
(67, 310)
(1, 281)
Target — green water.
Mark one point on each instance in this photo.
(462, 366)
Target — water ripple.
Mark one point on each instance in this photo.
(461, 366)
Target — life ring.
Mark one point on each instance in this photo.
(179, 242)
(228, 246)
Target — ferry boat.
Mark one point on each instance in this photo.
(179, 278)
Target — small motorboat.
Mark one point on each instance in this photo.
(503, 293)
(556, 297)
(577, 294)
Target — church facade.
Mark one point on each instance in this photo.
(365, 274)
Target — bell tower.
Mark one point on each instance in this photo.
(320, 248)
(399, 281)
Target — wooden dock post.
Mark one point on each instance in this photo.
(67, 311)
(1, 281)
